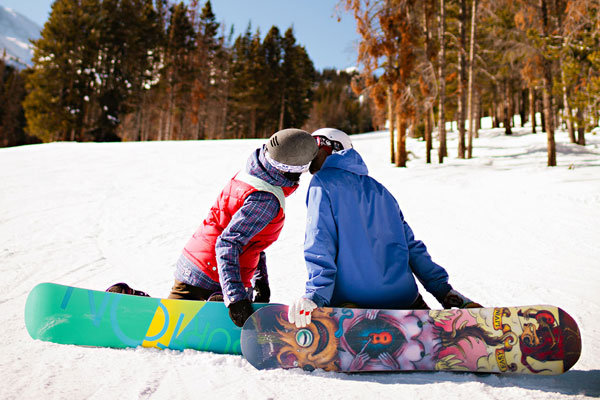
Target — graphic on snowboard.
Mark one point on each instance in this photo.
(70, 315)
(530, 340)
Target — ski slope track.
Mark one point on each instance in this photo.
(509, 230)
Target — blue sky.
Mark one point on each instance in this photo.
(329, 43)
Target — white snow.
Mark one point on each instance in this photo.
(19, 43)
(509, 230)
(16, 31)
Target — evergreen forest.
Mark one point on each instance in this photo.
(136, 70)
(131, 70)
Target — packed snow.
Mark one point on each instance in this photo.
(509, 230)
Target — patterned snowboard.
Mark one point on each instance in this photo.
(521, 340)
(70, 315)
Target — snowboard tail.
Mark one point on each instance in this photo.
(70, 315)
(519, 340)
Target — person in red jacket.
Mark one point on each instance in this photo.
(225, 257)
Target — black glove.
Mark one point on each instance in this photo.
(455, 299)
(240, 311)
(262, 292)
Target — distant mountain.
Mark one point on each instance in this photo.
(15, 32)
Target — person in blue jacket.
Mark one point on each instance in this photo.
(359, 250)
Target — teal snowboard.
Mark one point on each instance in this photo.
(70, 315)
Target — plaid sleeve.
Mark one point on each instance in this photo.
(258, 211)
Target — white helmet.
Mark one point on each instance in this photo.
(337, 139)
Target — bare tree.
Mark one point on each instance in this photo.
(471, 80)
(442, 83)
(462, 79)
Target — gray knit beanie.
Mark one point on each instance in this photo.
(290, 149)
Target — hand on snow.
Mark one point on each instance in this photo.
(299, 312)
(240, 311)
(455, 299)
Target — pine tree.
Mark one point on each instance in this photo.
(255, 97)
(12, 116)
(178, 71)
(298, 77)
(241, 85)
(92, 64)
(61, 81)
(274, 80)
(210, 77)
(143, 66)
(336, 105)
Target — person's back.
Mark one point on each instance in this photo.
(359, 250)
(372, 260)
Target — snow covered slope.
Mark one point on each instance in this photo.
(509, 230)
(16, 31)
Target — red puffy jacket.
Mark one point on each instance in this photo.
(200, 249)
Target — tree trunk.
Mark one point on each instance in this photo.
(532, 101)
(390, 101)
(169, 129)
(462, 90)
(282, 111)
(428, 7)
(471, 107)
(427, 138)
(540, 107)
(253, 123)
(201, 117)
(568, 112)
(549, 117)
(523, 107)
(442, 79)
(401, 141)
(507, 109)
(412, 129)
(479, 113)
(138, 124)
(580, 127)
(495, 117)
(547, 95)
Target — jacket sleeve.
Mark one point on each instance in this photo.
(261, 273)
(432, 276)
(258, 210)
(320, 245)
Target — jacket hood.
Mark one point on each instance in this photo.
(257, 165)
(348, 160)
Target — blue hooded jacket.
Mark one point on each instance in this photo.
(358, 247)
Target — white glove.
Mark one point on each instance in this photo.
(299, 312)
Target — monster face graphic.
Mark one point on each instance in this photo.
(531, 340)
(312, 347)
(374, 340)
(374, 337)
(544, 339)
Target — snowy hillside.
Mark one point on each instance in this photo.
(16, 31)
(509, 230)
